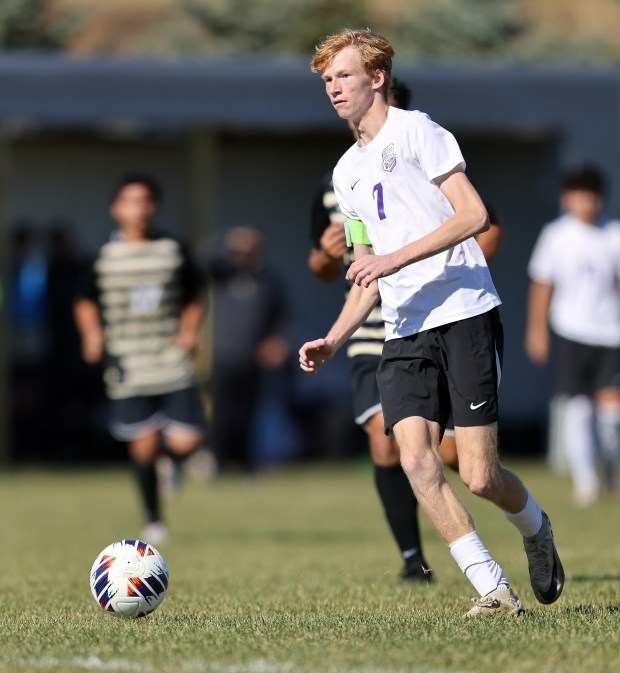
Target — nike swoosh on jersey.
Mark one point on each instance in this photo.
(473, 406)
(353, 185)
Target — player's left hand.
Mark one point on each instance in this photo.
(370, 267)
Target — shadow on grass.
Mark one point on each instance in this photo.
(293, 536)
(595, 578)
(592, 610)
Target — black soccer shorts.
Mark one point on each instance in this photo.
(452, 367)
(178, 411)
(584, 369)
(366, 399)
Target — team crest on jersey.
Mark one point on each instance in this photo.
(388, 158)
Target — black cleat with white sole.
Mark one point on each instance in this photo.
(546, 571)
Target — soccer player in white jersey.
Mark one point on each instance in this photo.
(329, 259)
(413, 217)
(574, 289)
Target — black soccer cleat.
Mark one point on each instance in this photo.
(416, 571)
(546, 571)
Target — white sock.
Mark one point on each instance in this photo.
(580, 447)
(529, 520)
(476, 563)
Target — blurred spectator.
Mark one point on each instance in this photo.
(64, 271)
(140, 310)
(28, 343)
(74, 390)
(248, 325)
(28, 293)
(575, 271)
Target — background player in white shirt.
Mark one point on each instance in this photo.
(404, 182)
(574, 289)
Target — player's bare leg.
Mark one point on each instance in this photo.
(419, 443)
(608, 429)
(484, 475)
(144, 449)
(481, 471)
(180, 441)
(449, 453)
(418, 440)
(399, 503)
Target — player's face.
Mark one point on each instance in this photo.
(350, 88)
(583, 204)
(134, 209)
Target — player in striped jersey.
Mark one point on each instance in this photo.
(139, 311)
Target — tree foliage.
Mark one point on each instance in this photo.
(30, 24)
(274, 26)
(448, 30)
(455, 29)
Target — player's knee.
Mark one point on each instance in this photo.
(481, 487)
(182, 443)
(383, 449)
(143, 450)
(420, 466)
(482, 483)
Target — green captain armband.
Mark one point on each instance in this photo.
(356, 232)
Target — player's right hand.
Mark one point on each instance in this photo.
(537, 346)
(334, 241)
(315, 353)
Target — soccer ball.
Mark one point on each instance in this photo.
(129, 578)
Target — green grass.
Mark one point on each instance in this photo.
(292, 572)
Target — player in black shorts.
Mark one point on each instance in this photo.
(411, 215)
(139, 311)
(329, 257)
(575, 292)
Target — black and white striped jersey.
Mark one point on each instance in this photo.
(141, 289)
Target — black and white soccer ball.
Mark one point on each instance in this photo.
(129, 578)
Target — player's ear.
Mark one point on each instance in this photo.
(378, 79)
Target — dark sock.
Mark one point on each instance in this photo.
(400, 507)
(147, 483)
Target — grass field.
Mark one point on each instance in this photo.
(294, 571)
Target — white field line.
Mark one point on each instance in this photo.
(76, 663)
(196, 666)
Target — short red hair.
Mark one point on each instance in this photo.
(375, 51)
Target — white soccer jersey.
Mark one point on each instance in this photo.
(582, 263)
(389, 185)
